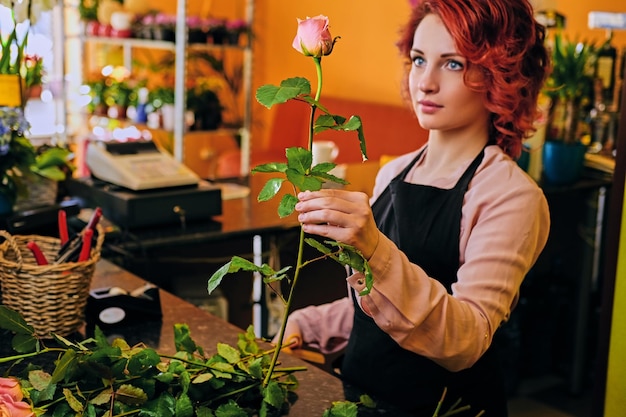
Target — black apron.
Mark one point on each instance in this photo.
(424, 222)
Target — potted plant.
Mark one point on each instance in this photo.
(205, 105)
(34, 72)
(234, 29)
(569, 86)
(22, 165)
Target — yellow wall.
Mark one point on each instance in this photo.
(615, 403)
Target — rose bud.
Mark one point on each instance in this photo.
(313, 37)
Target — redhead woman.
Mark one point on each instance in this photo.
(452, 228)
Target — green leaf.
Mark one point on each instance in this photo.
(204, 412)
(24, 343)
(74, 403)
(66, 361)
(317, 245)
(204, 377)
(102, 398)
(270, 189)
(274, 395)
(143, 360)
(256, 368)
(129, 394)
(270, 167)
(268, 95)
(13, 321)
(182, 339)
(237, 264)
(228, 352)
(304, 181)
(367, 401)
(298, 159)
(230, 409)
(39, 379)
(287, 205)
(184, 407)
(342, 409)
(185, 381)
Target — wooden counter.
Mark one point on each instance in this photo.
(317, 388)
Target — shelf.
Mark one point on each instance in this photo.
(180, 49)
(156, 44)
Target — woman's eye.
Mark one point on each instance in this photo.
(417, 60)
(455, 65)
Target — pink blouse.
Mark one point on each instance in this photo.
(504, 227)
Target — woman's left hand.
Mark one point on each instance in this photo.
(344, 216)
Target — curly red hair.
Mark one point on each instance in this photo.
(505, 43)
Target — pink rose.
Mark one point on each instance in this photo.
(11, 387)
(9, 407)
(313, 37)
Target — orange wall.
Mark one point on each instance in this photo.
(365, 64)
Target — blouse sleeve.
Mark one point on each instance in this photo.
(326, 327)
(505, 226)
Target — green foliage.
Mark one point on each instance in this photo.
(572, 69)
(98, 378)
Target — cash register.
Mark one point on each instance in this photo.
(138, 185)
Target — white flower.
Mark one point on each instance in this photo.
(20, 8)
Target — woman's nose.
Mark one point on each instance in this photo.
(427, 81)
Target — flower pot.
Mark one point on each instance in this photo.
(563, 163)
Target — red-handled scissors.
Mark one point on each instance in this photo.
(40, 258)
(63, 233)
(86, 247)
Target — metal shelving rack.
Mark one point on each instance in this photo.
(180, 50)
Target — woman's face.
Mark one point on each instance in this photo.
(440, 98)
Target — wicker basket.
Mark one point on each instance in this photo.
(51, 298)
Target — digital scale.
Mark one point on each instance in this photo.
(137, 165)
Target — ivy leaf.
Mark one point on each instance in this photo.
(268, 95)
(270, 189)
(287, 205)
(13, 321)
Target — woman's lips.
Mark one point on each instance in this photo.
(428, 107)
